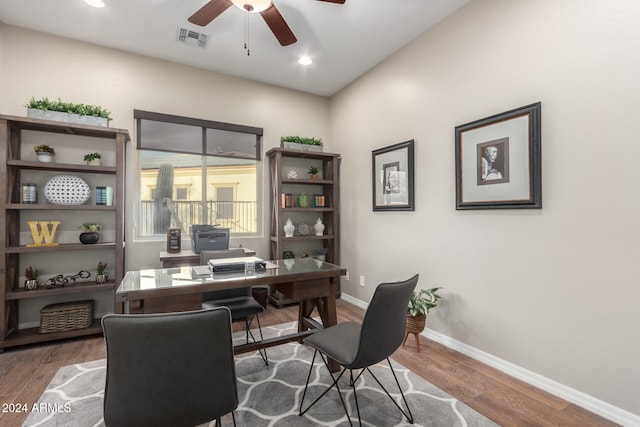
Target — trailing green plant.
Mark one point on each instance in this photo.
(92, 156)
(422, 301)
(31, 274)
(101, 267)
(44, 148)
(67, 107)
(301, 140)
(90, 227)
(313, 170)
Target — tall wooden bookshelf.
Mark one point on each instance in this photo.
(285, 187)
(12, 210)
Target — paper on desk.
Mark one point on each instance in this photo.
(269, 264)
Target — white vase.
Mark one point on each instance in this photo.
(288, 228)
(319, 227)
(44, 157)
(93, 162)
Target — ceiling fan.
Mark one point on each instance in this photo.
(265, 8)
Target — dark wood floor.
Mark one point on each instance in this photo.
(25, 373)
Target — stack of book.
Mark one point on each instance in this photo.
(104, 195)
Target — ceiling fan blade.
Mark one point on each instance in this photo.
(278, 26)
(333, 1)
(209, 12)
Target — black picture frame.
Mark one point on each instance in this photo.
(393, 177)
(498, 161)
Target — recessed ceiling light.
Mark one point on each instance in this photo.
(95, 3)
(304, 60)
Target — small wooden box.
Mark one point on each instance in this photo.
(66, 316)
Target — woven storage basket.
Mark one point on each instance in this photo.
(66, 316)
(416, 324)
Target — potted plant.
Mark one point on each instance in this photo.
(92, 159)
(313, 172)
(47, 109)
(419, 305)
(44, 153)
(295, 142)
(101, 275)
(89, 234)
(31, 275)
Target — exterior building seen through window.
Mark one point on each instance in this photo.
(197, 172)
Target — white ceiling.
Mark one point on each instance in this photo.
(344, 41)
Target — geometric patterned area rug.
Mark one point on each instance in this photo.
(270, 395)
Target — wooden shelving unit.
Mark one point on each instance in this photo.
(11, 209)
(280, 162)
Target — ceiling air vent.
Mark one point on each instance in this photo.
(192, 38)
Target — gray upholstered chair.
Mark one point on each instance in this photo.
(172, 369)
(239, 301)
(359, 346)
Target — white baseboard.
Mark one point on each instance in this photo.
(599, 407)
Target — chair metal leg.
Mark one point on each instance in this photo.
(355, 396)
(248, 321)
(335, 383)
(408, 415)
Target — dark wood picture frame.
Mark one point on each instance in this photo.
(498, 161)
(393, 177)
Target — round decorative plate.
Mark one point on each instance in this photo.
(303, 228)
(67, 190)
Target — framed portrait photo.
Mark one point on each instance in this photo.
(393, 177)
(498, 161)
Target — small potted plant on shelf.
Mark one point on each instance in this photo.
(31, 275)
(89, 234)
(313, 172)
(101, 275)
(419, 305)
(92, 159)
(295, 142)
(44, 153)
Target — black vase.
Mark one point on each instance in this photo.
(89, 237)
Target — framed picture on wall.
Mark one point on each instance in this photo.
(393, 177)
(498, 161)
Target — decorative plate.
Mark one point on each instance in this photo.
(67, 190)
(303, 228)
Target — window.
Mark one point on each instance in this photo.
(197, 172)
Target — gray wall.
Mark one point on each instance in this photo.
(554, 290)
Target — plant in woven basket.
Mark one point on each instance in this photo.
(419, 305)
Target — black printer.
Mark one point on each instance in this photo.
(206, 237)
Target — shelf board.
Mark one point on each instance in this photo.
(60, 247)
(31, 335)
(22, 293)
(61, 167)
(307, 237)
(308, 181)
(306, 209)
(40, 206)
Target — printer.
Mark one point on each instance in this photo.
(207, 237)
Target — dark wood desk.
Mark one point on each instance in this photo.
(188, 257)
(311, 282)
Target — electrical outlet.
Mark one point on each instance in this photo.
(362, 280)
(346, 276)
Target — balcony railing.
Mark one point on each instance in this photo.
(239, 217)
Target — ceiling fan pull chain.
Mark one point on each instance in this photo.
(246, 33)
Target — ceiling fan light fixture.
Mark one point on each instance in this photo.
(95, 3)
(252, 6)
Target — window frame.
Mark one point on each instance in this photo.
(140, 115)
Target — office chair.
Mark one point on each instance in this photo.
(359, 346)
(169, 369)
(239, 301)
